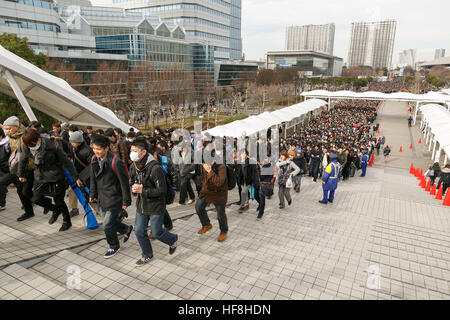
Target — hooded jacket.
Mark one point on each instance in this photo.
(15, 142)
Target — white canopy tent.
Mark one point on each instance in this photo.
(436, 127)
(430, 97)
(265, 120)
(35, 87)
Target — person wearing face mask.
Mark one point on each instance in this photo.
(81, 155)
(49, 176)
(148, 183)
(14, 131)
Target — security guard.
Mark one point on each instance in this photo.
(364, 163)
(330, 179)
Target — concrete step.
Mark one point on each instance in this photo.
(25, 284)
(99, 282)
(168, 273)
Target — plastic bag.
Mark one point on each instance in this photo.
(289, 183)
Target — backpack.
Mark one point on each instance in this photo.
(113, 167)
(170, 192)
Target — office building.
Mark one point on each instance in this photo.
(311, 38)
(308, 63)
(372, 44)
(212, 22)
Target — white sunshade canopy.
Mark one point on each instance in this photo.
(374, 95)
(52, 95)
(265, 120)
(438, 119)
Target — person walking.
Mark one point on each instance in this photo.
(245, 178)
(14, 132)
(285, 170)
(263, 185)
(386, 153)
(300, 162)
(49, 175)
(214, 191)
(148, 183)
(110, 185)
(444, 179)
(434, 172)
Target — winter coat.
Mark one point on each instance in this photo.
(301, 163)
(284, 169)
(215, 185)
(50, 162)
(149, 173)
(111, 189)
(15, 141)
(81, 158)
(5, 152)
(248, 176)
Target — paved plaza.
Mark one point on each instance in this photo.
(383, 238)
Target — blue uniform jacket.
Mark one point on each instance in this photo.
(330, 176)
(365, 159)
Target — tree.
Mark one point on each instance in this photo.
(10, 106)
(67, 73)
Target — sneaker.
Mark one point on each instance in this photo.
(320, 201)
(151, 236)
(330, 201)
(281, 207)
(174, 246)
(259, 218)
(74, 212)
(127, 235)
(65, 226)
(111, 253)
(222, 236)
(190, 201)
(289, 202)
(46, 211)
(205, 229)
(2, 208)
(143, 261)
(25, 216)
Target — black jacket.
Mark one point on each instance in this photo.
(50, 162)
(301, 163)
(248, 176)
(5, 152)
(151, 175)
(82, 157)
(111, 190)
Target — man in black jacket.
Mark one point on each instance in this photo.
(245, 177)
(110, 185)
(49, 175)
(81, 155)
(148, 182)
(5, 152)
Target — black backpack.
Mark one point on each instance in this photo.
(170, 191)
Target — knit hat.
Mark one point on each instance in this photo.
(76, 137)
(12, 121)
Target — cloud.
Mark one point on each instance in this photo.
(264, 22)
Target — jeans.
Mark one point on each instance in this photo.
(261, 199)
(24, 190)
(141, 231)
(315, 169)
(244, 195)
(112, 225)
(200, 208)
(167, 220)
(186, 188)
(284, 192)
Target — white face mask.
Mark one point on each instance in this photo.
(134, 156)
(35, 147)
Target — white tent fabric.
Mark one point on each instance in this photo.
(438, 119)
(265, 120)
(53, 95)
(430, 97)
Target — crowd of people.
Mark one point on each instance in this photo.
(116, 167)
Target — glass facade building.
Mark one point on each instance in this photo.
(215, 22)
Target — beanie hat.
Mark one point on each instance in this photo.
(12, 121)
(76, 137)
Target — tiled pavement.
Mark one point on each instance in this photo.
(383, 222)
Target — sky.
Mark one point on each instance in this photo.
(421, 24)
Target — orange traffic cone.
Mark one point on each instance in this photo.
(440, 192)
(378, 131)
(411, 170)
(433, 190)
(428, 188)
(420, 141)
(372, 160)
(401, 149)
(447, 199)
(410, 146)
(422, 183)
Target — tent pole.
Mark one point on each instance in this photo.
(18, 92)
